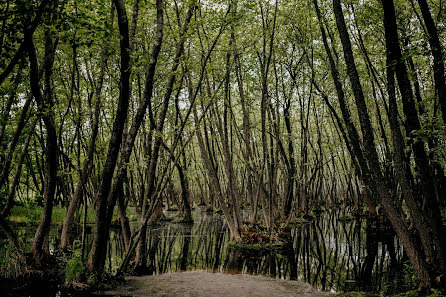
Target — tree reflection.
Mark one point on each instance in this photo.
(327, 252)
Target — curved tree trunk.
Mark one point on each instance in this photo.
(15, 182)
(437, 54)
(44, 103)
(141, 257)
(429, 240)
(377, 181)
(87, 166)
(98, 250)
(354, 143)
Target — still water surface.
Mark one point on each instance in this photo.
(329, 253)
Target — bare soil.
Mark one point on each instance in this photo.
(206, 284)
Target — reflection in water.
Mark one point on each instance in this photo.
(327, 253)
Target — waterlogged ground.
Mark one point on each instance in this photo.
(205, 284)
(330, 253)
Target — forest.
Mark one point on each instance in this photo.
(304, 140)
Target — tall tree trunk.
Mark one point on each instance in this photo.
(130, 138)
(8, 155)
(4, 116)
(247, 152)
(44, 103)
(214, 183)
(98, 250)
(412, 124)
(429, 240)
(141, 257)
(24, 45)
(87, 166)
(12, 188)
(437, 54)
(377, 182)
(356, 152)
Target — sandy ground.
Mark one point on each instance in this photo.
(205, 284)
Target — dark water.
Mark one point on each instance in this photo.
(329, 253)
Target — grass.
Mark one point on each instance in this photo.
(25, 215)
(30, 215)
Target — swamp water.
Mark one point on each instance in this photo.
(329, 253)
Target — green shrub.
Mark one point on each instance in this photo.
(74, 269)
(28, 214)
(12, 262)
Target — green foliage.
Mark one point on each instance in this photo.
(299, 221)
(256, 247)
(12, 263)
(436, 293)
(75, 268)
(58, 215)
(443, 213)
(431, 293)
(28, 214)
(93, 279)
(410, 276)
(5, 255)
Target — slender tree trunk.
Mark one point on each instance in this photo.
(141, 257)
(8, 156)
(98, 250)
(247, 152)
(356, 152)
(44, 103)
(126, 151)
(437, 54)
(87, 166)
(4, 117)
(428, 239)
(24, 45)
(377, 182)
(15, 182)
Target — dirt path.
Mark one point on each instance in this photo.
(205, 284)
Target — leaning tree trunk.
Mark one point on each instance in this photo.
(16, 180)
(354, 145)
(44, 103)
(141, 257)
(437, 54)
(98, 250)
(428, 232)
(377, 181)
(24, 47)
(87, 166)
(129, 140)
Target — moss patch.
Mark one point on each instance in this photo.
(256, 247)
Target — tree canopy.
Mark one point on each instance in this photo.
(266, 108)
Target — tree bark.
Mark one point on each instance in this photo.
(130, 138)
(44, 105)
(87, 166)
(377, 182)
(430, 241)
(356, 152)
(15, 182)
(141, 257)
(24, 46)
(98, 250)
(437, 54)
